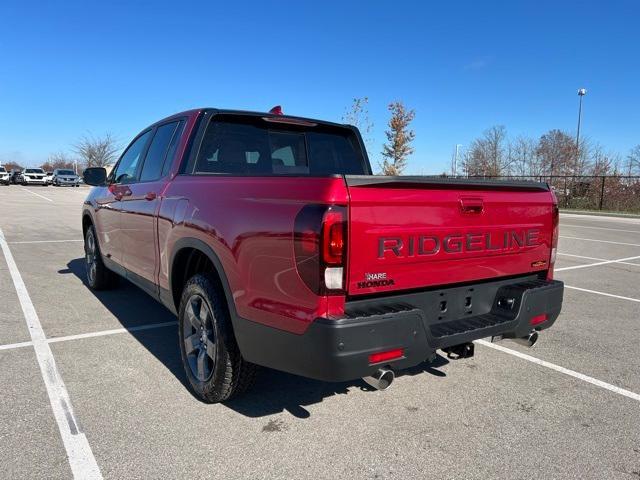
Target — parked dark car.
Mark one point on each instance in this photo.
(16, 176)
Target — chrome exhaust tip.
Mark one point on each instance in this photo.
(528, 341)
(381, 380)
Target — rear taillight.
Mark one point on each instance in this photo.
(554, 237)
(320, 242)
(333, 233)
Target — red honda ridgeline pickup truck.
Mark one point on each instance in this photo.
(274, 244)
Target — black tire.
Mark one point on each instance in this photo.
(210, 355)
(99, 277)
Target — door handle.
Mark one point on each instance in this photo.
(150, 196)
(471, 205)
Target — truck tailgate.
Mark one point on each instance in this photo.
(415, 232)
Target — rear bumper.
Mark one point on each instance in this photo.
(338, 350)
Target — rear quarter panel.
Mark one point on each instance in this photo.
(248, 222)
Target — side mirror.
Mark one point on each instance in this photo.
(95, 176)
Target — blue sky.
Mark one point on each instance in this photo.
(96, 67)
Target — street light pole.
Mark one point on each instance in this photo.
(581, 93)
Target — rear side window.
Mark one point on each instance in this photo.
(154, 161)
(252, 146)
(129, 162)
(173, 147)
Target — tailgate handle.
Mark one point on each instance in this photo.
(471, 205)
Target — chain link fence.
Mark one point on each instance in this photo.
(614, 193)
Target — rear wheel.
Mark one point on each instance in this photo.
(99, 277)
(210, 355)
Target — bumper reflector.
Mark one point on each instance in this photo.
(538, 319)
(384, 356)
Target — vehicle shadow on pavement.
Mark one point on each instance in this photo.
(274, 391)
(134, 308)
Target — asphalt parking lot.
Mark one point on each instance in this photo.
(568, 408)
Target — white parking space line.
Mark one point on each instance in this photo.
(36, 194)
(100, 333)
(566, 371)
(602, 293)
(601, 241)
(45, 241)
(596, 258)
(605, 262)
(83, 463)
(115, 331)
(600, 228)
(11, 346)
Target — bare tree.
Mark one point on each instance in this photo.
(12, 166)
(633, 161)
(358, 116)
(97, 151)
(603, 163)
(557, 153)
(59, 160)
(524, 158)
(489, 154)
(396, 152)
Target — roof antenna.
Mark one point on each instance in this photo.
(277, 110)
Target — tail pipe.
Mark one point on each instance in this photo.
(528, 341)
(381, 380)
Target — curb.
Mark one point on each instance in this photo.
(598, 213)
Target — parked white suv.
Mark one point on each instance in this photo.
(65, 177)
(34, 176)
(5, 178)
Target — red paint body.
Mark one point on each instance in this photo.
(248, 221)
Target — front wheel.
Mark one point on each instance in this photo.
(210, 355)
(99, 277)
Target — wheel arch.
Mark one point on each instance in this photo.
(189, 257)
(87, 221)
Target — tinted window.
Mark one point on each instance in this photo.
(253, 146)
(34, 170)
(172, 148)
(129, 162)
(65, 172)
(152, 168)
(2, 170)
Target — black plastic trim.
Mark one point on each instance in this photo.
(442, 182)
(338, 350)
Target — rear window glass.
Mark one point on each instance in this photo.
(255, 147)
(65, 172)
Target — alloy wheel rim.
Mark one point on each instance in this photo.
(199, 338)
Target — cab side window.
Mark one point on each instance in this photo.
(157, 153)
(127, 169)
